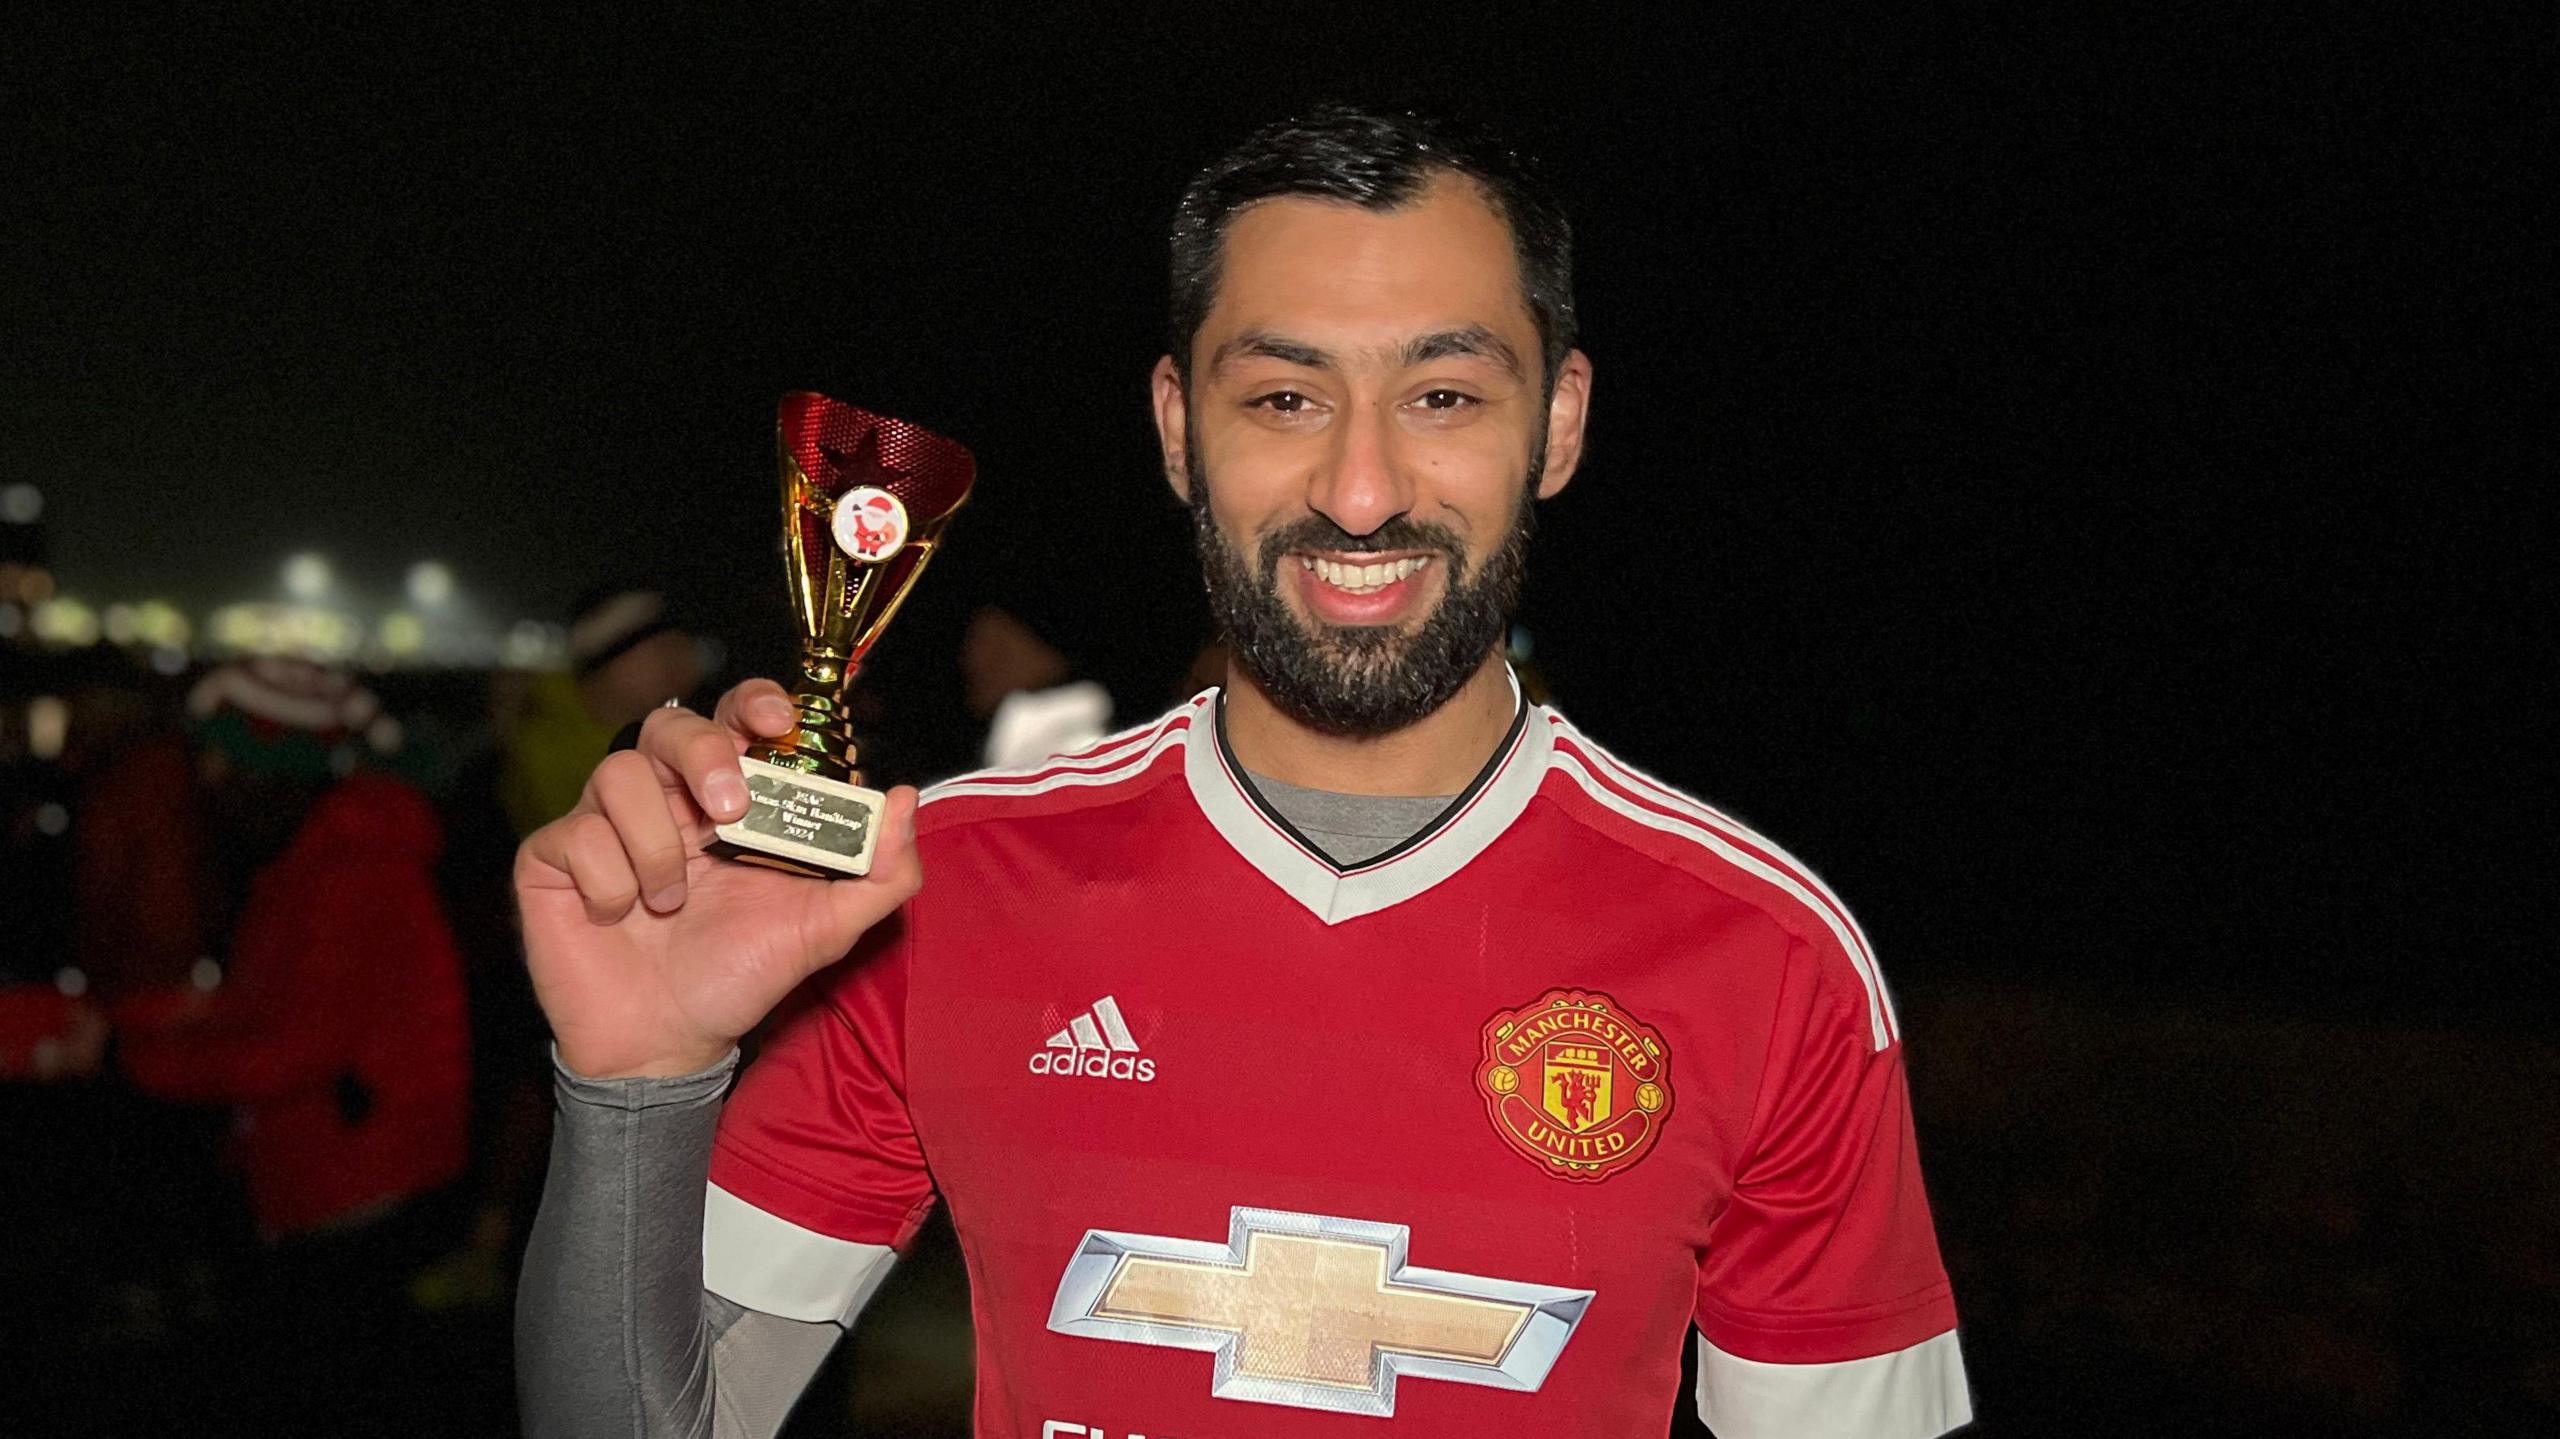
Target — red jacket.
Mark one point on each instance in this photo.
(137, 918)
(339, 1028)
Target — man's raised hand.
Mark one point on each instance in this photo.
(653, 958)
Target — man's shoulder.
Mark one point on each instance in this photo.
(1727, 861)
(1121, 769)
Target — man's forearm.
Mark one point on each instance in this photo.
(614, 1334)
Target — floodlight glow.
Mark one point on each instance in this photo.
(63, 620)
(306, 576)
(308, 631)
(430, 584)
(401, 634)
(21, 504)
(158, 622)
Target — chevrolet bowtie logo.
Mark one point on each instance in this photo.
(1313, 1311)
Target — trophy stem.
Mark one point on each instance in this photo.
(822, 743)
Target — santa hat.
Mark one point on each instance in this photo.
(290, 716)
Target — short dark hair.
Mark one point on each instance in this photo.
(1377, 161)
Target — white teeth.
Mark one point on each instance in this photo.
(1362, 579)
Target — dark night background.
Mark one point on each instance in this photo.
(2061, 471)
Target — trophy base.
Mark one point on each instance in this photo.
(802, 823)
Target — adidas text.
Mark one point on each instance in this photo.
(1093, 1064)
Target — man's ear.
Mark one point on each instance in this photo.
(1173, 427)
(1566, 411)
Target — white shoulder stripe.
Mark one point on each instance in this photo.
(1881, 1025)
(1714, 818)
(1858, 944)
(1914, 1393)
(1128, 764)
(774, 1266)
(1100, 749)
(1109, 750)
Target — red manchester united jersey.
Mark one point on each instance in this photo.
(1462, 1140)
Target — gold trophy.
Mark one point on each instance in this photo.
(864, 502)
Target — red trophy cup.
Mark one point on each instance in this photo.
(865, 499)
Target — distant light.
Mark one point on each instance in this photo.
(48, 725)
(401, 634)
(158, 622)
(430, 584)
(532, 645)
(71, 981)
(21, 504)
(168, 659)
(52, 819)
(11, 621)
(309, 631)
(65, 621)
(306, 576)
(206, 973)
(119, 626)
(236, 627)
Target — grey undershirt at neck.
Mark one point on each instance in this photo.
(1350, 828)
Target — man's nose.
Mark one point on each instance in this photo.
(1361, 486)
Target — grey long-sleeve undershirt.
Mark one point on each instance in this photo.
(615, 1335)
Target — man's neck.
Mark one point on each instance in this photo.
(1437, 754)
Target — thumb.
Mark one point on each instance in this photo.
(896, 873)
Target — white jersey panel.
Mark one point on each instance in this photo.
(774, 1266)
(1914, 1393)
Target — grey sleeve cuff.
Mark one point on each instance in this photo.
(629, 1094)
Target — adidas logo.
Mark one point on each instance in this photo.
(1095, 1045)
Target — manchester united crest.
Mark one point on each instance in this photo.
(1575, 1083)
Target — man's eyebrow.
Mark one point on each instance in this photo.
(1269, 346)
(1473, 340)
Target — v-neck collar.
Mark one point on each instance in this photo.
(1335, 893)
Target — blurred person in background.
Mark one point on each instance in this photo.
(49, 1025)
(1025, 690)
(139, 883)
(116, 904)
(330, 1017)
(629, 653)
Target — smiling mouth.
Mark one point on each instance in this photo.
(1365, 577)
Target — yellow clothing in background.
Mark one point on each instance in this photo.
(551, 750)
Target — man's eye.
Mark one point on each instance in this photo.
(1286, 402)
(1446, 400)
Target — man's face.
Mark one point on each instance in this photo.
(1363, 433)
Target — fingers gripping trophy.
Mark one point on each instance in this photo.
(651, 950)
(865, 499)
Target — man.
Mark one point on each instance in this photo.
(1357, 1041)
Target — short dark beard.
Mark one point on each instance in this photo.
(1362, 681)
